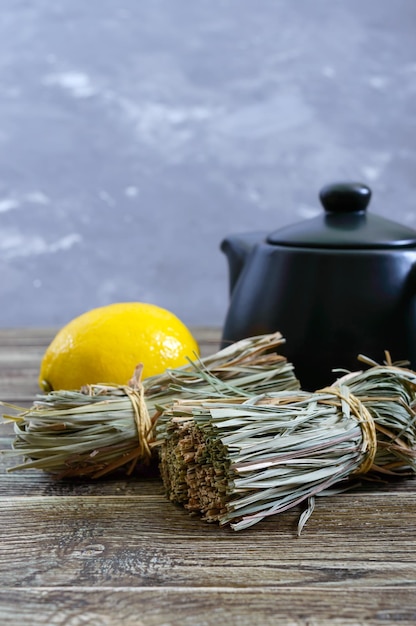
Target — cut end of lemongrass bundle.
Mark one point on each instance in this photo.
(241, 461)
(102, 429)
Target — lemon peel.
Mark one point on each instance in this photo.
(105, 344)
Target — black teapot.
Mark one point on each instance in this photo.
(336, 286)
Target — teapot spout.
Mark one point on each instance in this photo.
(237, 249)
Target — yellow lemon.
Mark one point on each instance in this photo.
(104, 345)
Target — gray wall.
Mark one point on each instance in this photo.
(135, 134)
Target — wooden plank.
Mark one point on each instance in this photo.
(19, 384)
(37, 483)
(146, 540)
(197, 606)
(25, 347)
(34, 482)
(21, 352)
(15, 337)
(117, 551)
(41, 337)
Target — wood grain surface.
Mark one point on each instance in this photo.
(117, 552)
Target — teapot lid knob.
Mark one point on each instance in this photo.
(345, 197)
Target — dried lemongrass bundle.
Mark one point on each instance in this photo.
(389, 393)
(102, 428)
(239, 461)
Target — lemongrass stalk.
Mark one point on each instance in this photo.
(102, 428)
(241, 461)
(389, 392)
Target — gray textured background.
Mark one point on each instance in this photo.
(135, 134)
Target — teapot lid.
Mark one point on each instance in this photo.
(345, 224)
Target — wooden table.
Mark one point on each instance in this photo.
(116, 552)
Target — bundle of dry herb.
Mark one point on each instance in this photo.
(102, 428)
(238, 461)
